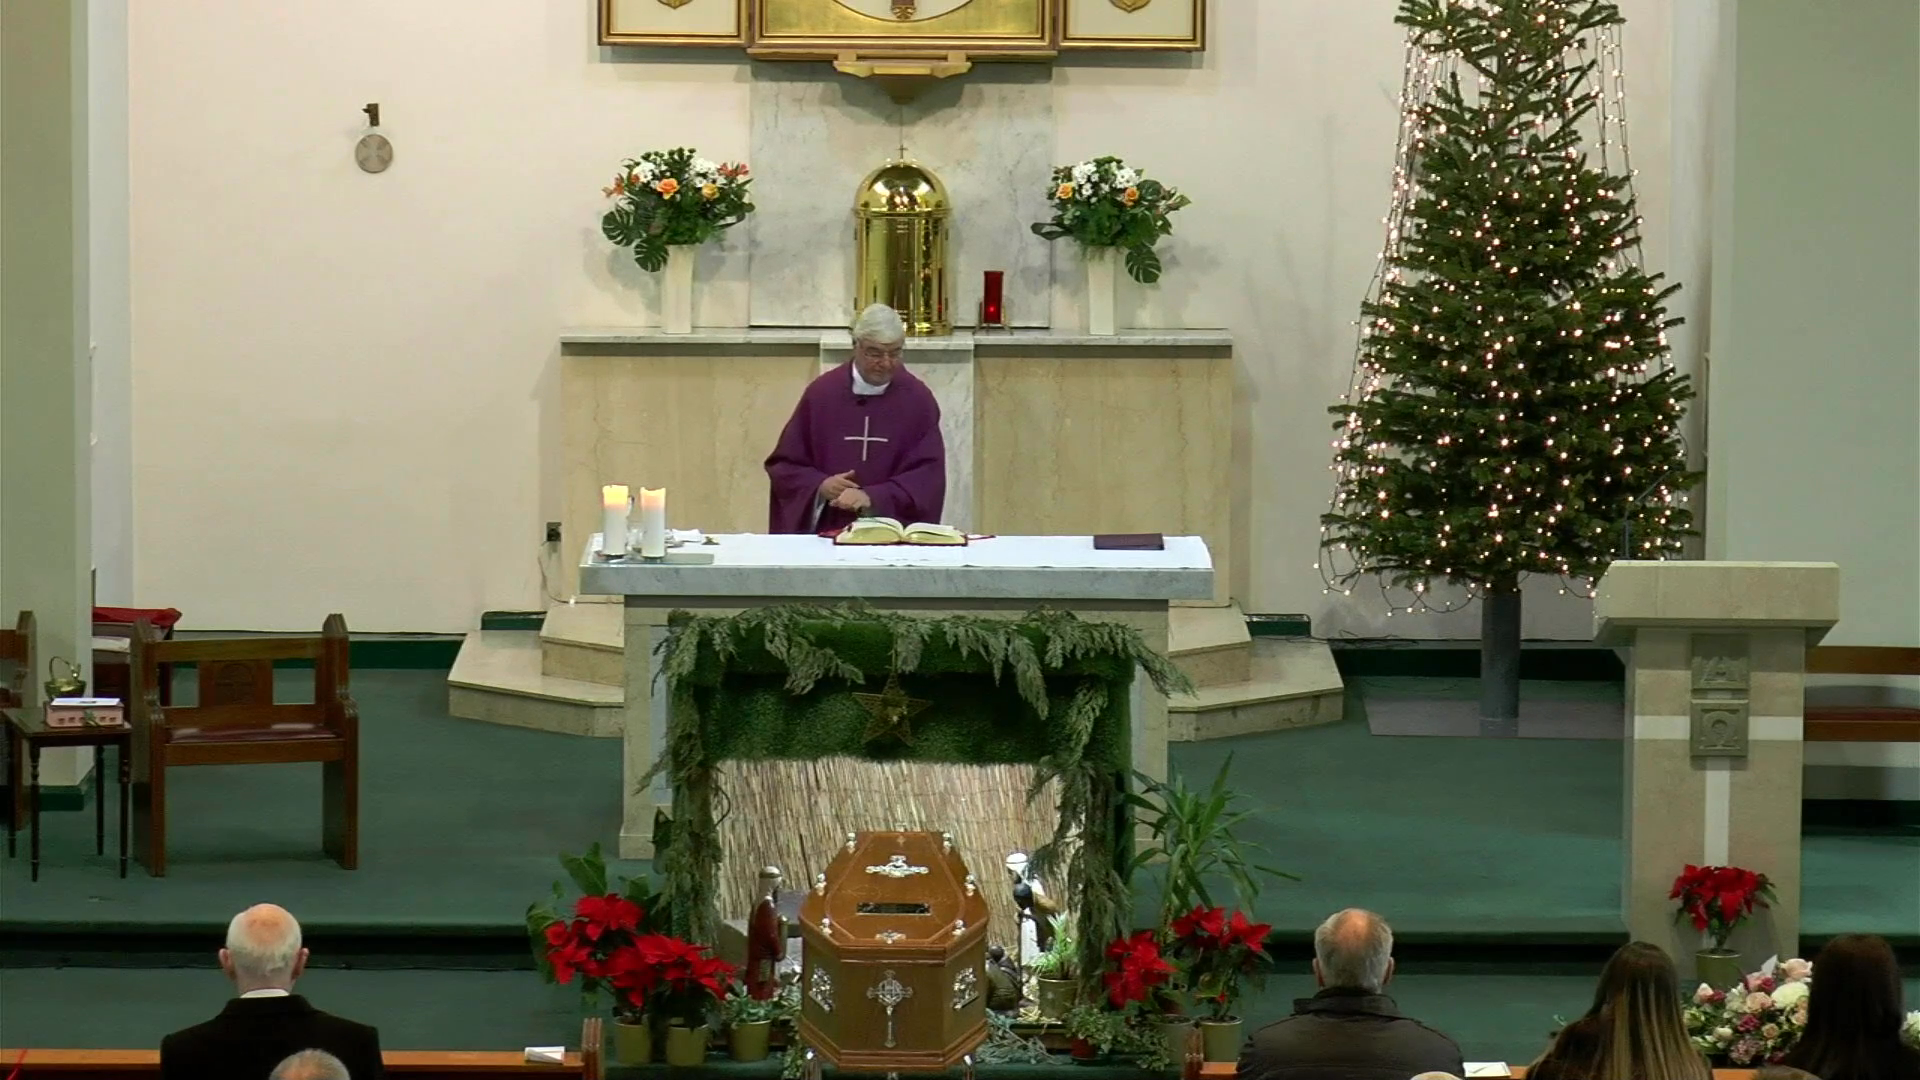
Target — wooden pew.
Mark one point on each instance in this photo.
(1862, 723)
(411, 1064)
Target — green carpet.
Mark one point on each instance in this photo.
(461, 820)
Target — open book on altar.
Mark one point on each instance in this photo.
(885, 530)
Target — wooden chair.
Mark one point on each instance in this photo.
(19, 668)
(1863, 723)
(235, 721)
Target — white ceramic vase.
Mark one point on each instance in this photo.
(676, 289)
(1103, 264)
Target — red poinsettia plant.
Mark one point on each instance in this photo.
(615, 941)
(1222, 952)
(1139, 975)
(1719, 898)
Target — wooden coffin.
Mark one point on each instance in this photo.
(893, 973)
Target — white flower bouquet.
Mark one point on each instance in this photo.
(1756, 1021)
(1105, 203)
(1910, 1031)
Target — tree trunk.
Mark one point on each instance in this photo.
(1500, 658)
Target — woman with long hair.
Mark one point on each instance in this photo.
(1854, 1014)
(1634, 1029)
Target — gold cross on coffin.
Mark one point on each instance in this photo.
(891, 709)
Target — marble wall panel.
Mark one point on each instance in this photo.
(815, 134)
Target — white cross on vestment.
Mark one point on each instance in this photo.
(866, 438)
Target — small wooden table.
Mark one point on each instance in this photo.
(28, 733)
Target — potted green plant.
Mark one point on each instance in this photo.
(750, 1020)
(1192, 842)
(1056, 972)
(1221, 952)
(594, 939)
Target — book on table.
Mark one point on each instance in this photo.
(885, 530)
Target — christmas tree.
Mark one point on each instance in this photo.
(1514, 410)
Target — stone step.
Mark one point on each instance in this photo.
(497, 678)
(1293, 683)
(584, 642)
(1210, 644)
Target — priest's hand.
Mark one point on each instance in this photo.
(853, 499)
(833, 486)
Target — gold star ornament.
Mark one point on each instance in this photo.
(891, 708)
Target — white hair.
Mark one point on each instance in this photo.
(879, 325)
(263, 942)
(311, 1065)
(1354, 956)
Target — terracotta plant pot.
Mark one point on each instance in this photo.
(686, 1046)
(1220, 1040)
(1054, 997)
(1082, 1050)
(632, 1043)
(1718, 968)
(748, 1042)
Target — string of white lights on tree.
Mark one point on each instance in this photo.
(1512, 239)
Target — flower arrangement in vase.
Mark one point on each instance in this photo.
(1221, 953)
(669, 202)
(1755, 1020)
(1717, 899)
(1110, 207)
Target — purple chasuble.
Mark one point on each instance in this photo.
(891, 442)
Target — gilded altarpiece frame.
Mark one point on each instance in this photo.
(976, 27)
(673, 22)
(1133, 24)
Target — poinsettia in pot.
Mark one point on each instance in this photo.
(683, 984)
(1717, 899)
(1143, 981)
(1222, 953)
(669, 203)
(1110, 209)
(593, 942)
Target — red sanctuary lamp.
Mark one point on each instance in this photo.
(993, 299)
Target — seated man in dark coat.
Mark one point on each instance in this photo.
(267, 1022)
(1350, 1030)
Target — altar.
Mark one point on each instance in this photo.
(1000, 577)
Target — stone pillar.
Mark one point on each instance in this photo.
(45, 377)
(1715, 673)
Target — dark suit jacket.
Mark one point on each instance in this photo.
(252, 1035)
(1347, 1034)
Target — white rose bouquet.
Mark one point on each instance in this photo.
(1910, 1031)
(1756, 1021)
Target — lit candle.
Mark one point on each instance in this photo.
(653, 523)
(614, 506)
(992, 300)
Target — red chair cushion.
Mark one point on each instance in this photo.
(163, 618)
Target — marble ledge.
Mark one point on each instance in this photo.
(953, 347)
(957, 584)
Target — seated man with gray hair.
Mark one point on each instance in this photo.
(268, 1024)
(864, 441)
(311, 1065)
(1351, 1029)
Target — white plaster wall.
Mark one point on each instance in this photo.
(109, 306)
(1815, 408)
(345, 385)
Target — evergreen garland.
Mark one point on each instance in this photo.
(1056, 661)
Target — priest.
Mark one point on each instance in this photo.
(864, 440)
